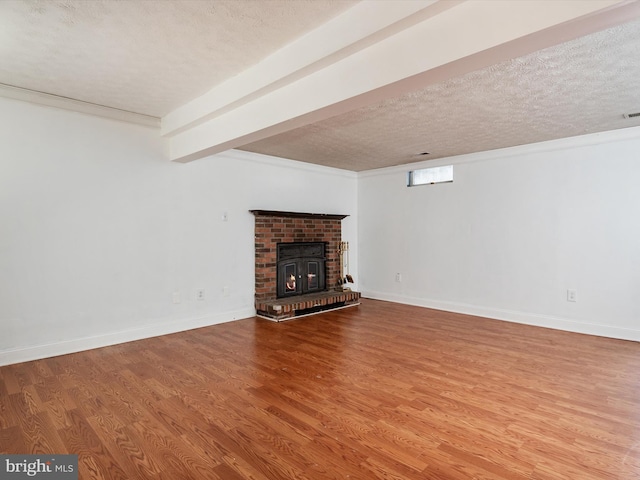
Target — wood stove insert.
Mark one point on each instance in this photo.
(301, 268)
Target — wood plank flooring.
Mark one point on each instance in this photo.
(379, 391)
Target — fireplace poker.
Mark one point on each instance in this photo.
(349, 277)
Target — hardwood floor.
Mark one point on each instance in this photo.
(379, 391)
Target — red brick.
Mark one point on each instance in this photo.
(272, 230)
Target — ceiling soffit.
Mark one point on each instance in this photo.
(579, 87)
(493, 32)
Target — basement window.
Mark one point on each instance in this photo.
(430, 176)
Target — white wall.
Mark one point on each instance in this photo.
(515, 231)
(98, 230)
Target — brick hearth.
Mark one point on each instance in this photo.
(286, 308)
(273, 227)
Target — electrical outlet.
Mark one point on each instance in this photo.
(398, 277)
(225, 291)
(176, 297)
(572, 295)
(200, 294)
(225, 216)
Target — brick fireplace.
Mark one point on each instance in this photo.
(273, 228)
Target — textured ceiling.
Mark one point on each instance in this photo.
(579, 87)
(152, 56)
(145, 56)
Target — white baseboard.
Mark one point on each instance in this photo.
(538, 320)
(37, 352)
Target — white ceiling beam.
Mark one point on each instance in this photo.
(362, 25)
(428, 45)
